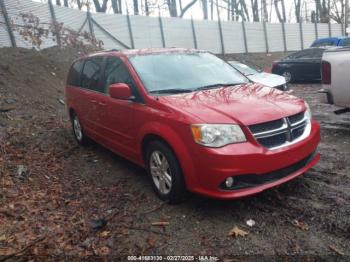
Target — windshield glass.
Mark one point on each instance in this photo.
(184, 71)
(244, 69)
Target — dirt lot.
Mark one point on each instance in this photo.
(54, 193)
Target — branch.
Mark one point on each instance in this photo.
(187, 7)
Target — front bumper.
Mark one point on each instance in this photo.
(256, 167)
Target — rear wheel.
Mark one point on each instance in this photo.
(165, 172)
(78, 131)
(288, 76)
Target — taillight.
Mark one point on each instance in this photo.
(326, 73)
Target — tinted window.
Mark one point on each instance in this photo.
(345, 42)
(324, 43)
(116, 72)
(75, 74)
(91, 74)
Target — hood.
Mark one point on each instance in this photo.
(267, 79)
(243, 104)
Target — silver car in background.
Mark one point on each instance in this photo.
(266, 79)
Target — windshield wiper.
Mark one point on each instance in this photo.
(171, 91)
(215, 86)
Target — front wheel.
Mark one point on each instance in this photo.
(288, 76)
(165, 172)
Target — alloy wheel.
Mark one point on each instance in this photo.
(160, 171)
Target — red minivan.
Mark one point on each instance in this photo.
(193, 121)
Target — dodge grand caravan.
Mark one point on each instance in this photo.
(193, 121)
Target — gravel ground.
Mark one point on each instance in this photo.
(53, 206)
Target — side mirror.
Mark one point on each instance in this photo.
(120, 91)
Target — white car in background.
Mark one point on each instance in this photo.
(263, 78)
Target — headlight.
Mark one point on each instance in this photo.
(308, 113)
(217, 135)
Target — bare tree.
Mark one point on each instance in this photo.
(264, 14)
(172, 8)
(281, 17)
(136, 7)
(205, 9)
(255, 10)
(100, 8)
(297, 10)
(187, 7)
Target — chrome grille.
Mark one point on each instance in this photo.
(281, 132)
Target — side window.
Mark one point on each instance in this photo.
(91, 74)
(116, 72)
(74, 75)
(345, 42)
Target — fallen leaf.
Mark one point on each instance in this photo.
(300, 224)
(3, 237)
(105, 233)
(237, 232)
(160, 223)
(336, 250)
(151, 242)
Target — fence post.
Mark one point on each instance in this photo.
(284, 37)
(54, 20)
(244, 37)
(194, 34)
(130, 31)
(161, 30)
(301, 35)
(221, 36)
(8, 23)
(316, 30)
(91, 27)
(266, 37)
(329, 29)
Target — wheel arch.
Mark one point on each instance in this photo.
(172, 139)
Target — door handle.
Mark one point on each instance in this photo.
(102, 104)
(93, 101)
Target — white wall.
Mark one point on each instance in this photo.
(146, 31)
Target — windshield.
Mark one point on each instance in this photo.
(244, 69)
(184, 71)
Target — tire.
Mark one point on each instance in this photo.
(78, 131)
(171, 185)
(288, 76)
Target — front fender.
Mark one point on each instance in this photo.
(174, 140)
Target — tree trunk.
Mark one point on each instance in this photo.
(281, 18)
(136, 7)
(205, 9)
(265, 14)
(79, 4)
(297, 9)
(99, 8)
(66, 3)
(212, 9)
(172, 8)
(244, 11)
(255, 10)
(284, 11)
(115, 6)
(146, 7)
(58, 2)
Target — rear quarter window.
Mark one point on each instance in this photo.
(74, 76)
